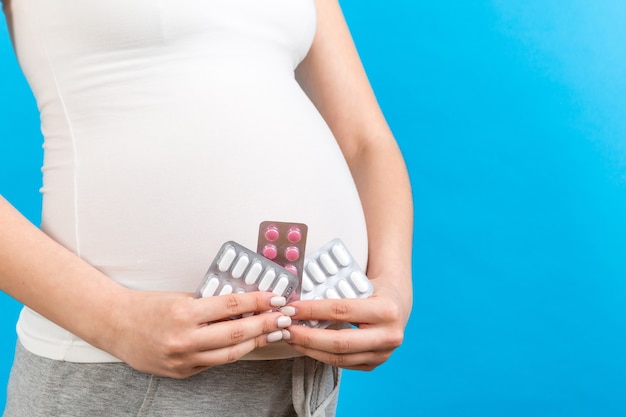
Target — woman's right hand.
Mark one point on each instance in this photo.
(163, 333)
(176, 335)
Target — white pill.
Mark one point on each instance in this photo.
(360, 281)
(210, 286)
(226, 289)
(340, 253)
(267, 279)
(307, 284)
(240, 266)
(227, 258)
(313, 323)
(253, 273)
(329, 265)
(316, 272)
(332, 294)
(281, 285)
(346, 289)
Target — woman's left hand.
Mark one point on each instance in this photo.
(379, 328)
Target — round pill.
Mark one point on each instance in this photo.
(271, 233)
(292, 253)
(294, 235)
(270, 251)
(292, 269)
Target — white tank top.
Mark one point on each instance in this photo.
(171, 127)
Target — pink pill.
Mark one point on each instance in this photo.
(294, 234)
(292, 269)
(270, 251)
(292, 253)
(271, 233)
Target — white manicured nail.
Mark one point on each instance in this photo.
(286, 334)
(283, 321)
(275, 336)
(278, 301)
(288, 311)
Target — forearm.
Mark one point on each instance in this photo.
(45, 276)
(383, 184)
(333, 77)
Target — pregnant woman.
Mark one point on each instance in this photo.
(170, 128)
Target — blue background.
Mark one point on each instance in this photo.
(512, 118)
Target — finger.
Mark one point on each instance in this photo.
(363, 361)
(210, 347)
(349, 310)
(343, 341)
(221, 307)
(206, 359)
(234, 332)
(230, 354)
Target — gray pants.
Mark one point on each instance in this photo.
(40, 387)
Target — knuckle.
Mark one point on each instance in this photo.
(257, 343)
(175, 374)
(233, 304)
(369, 368)
(180, 313)
(267, 325)
(390, 313)
(232, 355)
(394, 338)
(341, 311)
(176, 368)
(173, 346)
(341, 346)
(337, 360)
(306, 341)
(236, 336)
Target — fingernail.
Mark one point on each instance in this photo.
(275, 336)
(286, 334)
(278, 301)
(288, 311)
(283, 321)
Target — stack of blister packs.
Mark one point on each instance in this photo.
(279, 266)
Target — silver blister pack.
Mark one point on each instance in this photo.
(237, 269)
(333, 273)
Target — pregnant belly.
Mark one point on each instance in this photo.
(157, 195)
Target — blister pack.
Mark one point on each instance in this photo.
(237, 269)
(333, 273)
(283, 243)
